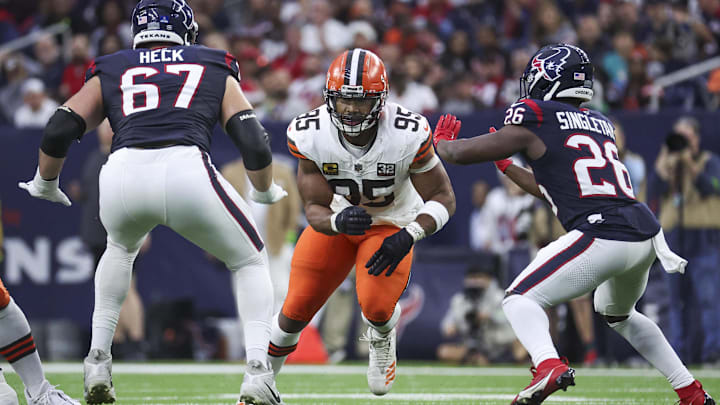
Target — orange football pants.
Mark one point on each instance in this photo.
(320, 263)
(4, 296)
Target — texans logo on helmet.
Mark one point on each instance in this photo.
(551, 62)
(184, 8)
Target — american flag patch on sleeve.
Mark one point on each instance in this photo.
(579, 76)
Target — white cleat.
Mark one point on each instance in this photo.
(258, 387)
(7, 394)
(383, 360)
(49, 395)
(98, 378)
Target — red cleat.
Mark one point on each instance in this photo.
(694, 394)
(551, 375)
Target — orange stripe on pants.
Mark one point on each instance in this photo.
(320, 264)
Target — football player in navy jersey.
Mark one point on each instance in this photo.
(612, 238)
(163, 98)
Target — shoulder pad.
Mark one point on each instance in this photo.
(303, 131)
(219, 58)
(527, 113)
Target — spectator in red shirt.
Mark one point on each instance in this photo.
(73, 77)
(293, 57)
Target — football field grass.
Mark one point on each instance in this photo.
(419, 383)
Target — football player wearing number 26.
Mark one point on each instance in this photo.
(612, 238)
(372, 186)
(163, 98)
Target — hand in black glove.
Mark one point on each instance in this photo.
(353, 221)
(394, 248)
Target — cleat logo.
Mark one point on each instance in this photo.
(390, 374)
(275, 395)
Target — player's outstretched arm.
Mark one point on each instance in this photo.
(81, 113)
(502, 144)
(248, 134)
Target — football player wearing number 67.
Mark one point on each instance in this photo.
(612, 238)
(372, 186)
(163, 98)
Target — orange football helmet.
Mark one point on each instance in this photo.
(357, 74)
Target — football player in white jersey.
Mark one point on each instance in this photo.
(372, 186)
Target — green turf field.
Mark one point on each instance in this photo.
(195, 383)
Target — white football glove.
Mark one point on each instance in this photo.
(274, 194)
(46, 189)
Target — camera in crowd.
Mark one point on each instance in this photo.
(676, 142)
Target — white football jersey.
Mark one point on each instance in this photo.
(379, 180)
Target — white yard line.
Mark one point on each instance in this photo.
(388, 397)
(200, 368)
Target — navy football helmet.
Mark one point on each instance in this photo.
(558, 71)
(163, 21)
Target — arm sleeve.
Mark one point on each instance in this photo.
(526, 113)
(219, 59)
(231, 64)
(92, 70)
(292, 146)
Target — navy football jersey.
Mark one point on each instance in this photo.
(580, 174)
(163, 96)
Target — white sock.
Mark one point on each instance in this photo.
(388, 326)
(112, 282)
(18, 347)
(647, 338)
(254, 299)
(531, 326)
(281, 345)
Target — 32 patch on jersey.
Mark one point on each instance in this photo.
(386, 169)
(331, 169)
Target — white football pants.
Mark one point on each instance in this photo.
(177, 187)
(575, 264)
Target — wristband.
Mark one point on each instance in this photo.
(333, 226)
(503, 164)
(415, 230)
(45, 185)
(437, 211)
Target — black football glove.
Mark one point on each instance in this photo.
(353, 221)
(393, 249)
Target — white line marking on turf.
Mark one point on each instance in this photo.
(237, 368)
(387, 397)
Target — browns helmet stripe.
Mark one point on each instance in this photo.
(360, 67)
(354, 67)
(348, 61)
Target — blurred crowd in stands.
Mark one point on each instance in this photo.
(443, 55)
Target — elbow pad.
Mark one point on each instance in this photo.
(251, 139)
(63, 127)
